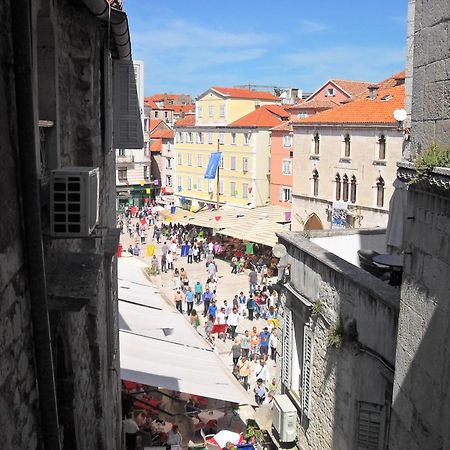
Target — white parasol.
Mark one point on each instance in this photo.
(222, 437)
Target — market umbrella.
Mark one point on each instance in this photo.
(206, 416)
(222, 437)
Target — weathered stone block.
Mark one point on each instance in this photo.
(438, 42)
(434, 100)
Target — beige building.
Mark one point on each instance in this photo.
(345, 162)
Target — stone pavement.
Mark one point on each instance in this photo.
(228, 286)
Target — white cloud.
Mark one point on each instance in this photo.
(309, 26)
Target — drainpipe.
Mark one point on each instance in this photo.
(25, 82)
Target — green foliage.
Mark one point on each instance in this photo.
(254, 431)
(434, 156)
(336, 335)
(316, 308)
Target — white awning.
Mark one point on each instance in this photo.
(160, 348)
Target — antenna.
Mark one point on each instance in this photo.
(400, 115)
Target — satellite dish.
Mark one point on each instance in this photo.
(279, 250)
(400, 115)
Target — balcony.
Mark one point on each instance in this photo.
(125, 159)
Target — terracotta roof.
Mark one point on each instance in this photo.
(154, 123)
(392, 80)
(162, 133)
(314, 104)
(283, 127)
(266, 117)
(354, 88)
(278, 110)
(149, 102)
(156, 145)
(362, 110)
(245, 93)
(181, 108)
(187, 121)
(161, 97)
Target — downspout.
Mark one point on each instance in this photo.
(23, 37)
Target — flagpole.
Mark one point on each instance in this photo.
(218, 185)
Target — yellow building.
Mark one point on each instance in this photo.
(236, 122)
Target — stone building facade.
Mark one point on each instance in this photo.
(342, 391)
(421, 406)
(59, 365)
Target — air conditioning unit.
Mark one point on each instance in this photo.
(284, 420)
(74, 193)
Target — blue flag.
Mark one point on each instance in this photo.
(213, 164)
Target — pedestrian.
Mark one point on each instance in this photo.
(163, 263)
(253, 280)
(178, 297)
(190, 254)
(273, 342)
(260, 392)
(208, 328)
(261, 372)
(242, 303)
(130, 249)
(222, 321)
(212, 269)
(264, 338)
(212, 310)
(169, 260)
(245, 344)
(174, 438)
(232, 321)
(196, 253)
(236, 351)
(198, 289)
(251, 305)
(184, 279)
(233, 264)
(227, 309)
(194, 319)
(207, 297)
(254, 343)
(244, 371)
(236, 302)
(189, 295)
(155, 266)
(165, 248)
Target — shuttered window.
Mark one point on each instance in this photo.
(287, 337)
(306, 371)
(127, 124)
(369, 426)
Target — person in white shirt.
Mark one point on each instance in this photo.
(221, 320)
(174, 437)
(260, 371)
(233, 320)
(273, 342)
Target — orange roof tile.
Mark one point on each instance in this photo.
(162, 133)
(161, 97)
(187, 121)
(181, 108)
(156, 145)
(283, 127)
(154, 123)
(149, 102)
(261, 117)
(354, 88)
(278, 110)
(362, 110)
(392, 80)
(313, 104)
(245, 93)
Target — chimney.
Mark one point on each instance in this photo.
(373, 91)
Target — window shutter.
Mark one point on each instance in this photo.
(307, 367)
(287, 336)
(280, 194)
(127, 131)
(369, 426)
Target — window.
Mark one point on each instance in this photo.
(287, 140)
(245, 164)
(199, 137)
(211, 111)
(302, 114)
(121, 152)
(233, 189)
(199, 111)
(200, 160)
(122, 173)
(244, 190)
(210, 186)
(180, 159)
(369, 426)
(156, 114)
(169, 180)
(380, 192)
(330, 92)
(285, 194)
(221, 188)
(316, 144)
(233, 138)
(286, 348)
(247, 137)
(166, 114)
(189, 138)
(210, 138)
(222, 110)
(233, 163)
(315, 177)
(169, 163)
(308, 340)
(199, 183)
(337, 180)
(180, 183)
(353, 189)
(221, 138)
(222, 162)
(189, 159)
(347, 146)
(189, 183)
(178, 137)
(345, 188)
(146, 173)
(286, 168)
(382, 147)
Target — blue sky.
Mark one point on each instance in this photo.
(190, 45)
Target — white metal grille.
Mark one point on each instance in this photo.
(307, 367)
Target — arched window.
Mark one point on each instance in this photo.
(347, 146)
(345, 188)
(353, 189)
(337, 179)
(315, 183)
(316, 144)
(380, 192)
(382, 147)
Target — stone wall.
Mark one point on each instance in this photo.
(361, 370)
(431, 84)
(421, 403)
